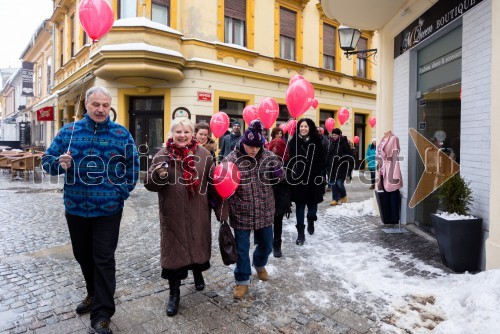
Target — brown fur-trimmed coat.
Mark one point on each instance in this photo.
(185, 231)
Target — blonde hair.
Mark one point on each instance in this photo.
(185, 122)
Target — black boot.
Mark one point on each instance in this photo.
(310, 225)
(199, 282)
(174, 298)
(277, 248)
(301, 236)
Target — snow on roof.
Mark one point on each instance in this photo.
(235, 46)
(140, 46)
(144, 22)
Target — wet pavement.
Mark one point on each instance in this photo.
(40, 282)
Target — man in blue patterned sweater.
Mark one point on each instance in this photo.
(100, 162)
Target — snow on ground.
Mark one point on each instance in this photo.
(359, 209)
(447, 303)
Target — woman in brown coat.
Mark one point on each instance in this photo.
(179, 174)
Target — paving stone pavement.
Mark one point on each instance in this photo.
(40, 282)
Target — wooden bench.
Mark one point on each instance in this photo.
(26, 164)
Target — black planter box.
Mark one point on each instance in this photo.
(460, 243)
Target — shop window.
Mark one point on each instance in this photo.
(323, 116)
(127, 8)
(235, 22)
(329, 33)
(288, 27)
(283, 115)
(361, 58)
(234, 109)
(160, 10)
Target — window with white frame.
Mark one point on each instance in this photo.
(49, 73)
(127, 8)
(160, 11)
(329, 46)
(235, 22)
(72, 35)
(288, 27)
(361, 58)
(39, 80)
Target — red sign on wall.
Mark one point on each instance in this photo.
(45, 114)
(205, 96)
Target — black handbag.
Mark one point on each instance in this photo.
(227, 244)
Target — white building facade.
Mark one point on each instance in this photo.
(438, 74)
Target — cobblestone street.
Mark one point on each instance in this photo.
(40, 282)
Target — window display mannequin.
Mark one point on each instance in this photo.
(390, 178)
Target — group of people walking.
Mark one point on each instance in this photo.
(288, 170)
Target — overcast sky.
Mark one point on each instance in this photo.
(18, 21)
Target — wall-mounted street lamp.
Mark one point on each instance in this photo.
(348, 38)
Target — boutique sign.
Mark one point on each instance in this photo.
(430, 22)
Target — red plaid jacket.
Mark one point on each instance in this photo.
(251, 207)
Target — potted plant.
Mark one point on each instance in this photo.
(458, 234)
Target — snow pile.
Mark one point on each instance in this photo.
(358, 209)
(419, 299)
(453, 216)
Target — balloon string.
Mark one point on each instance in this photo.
(80, 99)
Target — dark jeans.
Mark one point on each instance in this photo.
(278, 227)
(263, 238)
(338, 189)
(373, 176)
(300, 211)
(94, 242)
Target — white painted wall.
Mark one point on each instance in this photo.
(475, 132)
(401, 120)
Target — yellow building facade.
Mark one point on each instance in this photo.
(193, 58)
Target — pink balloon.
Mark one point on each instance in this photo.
(291, 125)
(299, 97)
(295, 78)
(372, 121)
(226, 178)
(283, 128)
(355, 139)
(330, 124)
(343, 115)
(219, 123)
(250, 113)
(268, 111)
(96, 17)
(314, 103)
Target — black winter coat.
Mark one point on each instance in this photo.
(339, 159)
(305, 170)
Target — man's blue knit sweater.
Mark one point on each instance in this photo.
(104, 169)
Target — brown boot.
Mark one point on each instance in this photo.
(240, 291)
(263, 275)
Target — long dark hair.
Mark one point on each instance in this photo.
(313, 130)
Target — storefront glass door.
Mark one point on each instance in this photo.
(438, 120)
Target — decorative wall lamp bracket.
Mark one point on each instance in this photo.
(348, 38)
